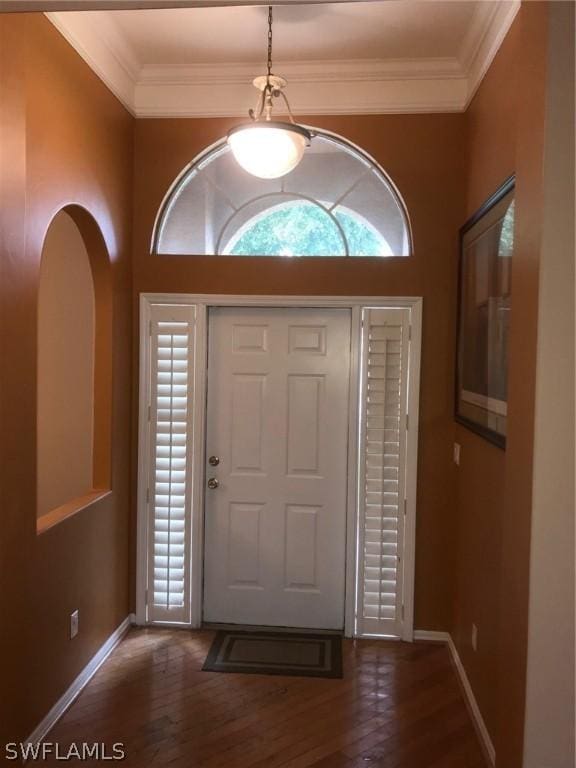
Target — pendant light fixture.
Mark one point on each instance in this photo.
(265, 147)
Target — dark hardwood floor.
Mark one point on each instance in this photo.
(398, 706)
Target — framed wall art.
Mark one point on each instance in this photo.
(486, 252)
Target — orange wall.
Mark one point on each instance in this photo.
(491, 149)
(424, 155)
(64, 139)
(505, 125)
(65, 373)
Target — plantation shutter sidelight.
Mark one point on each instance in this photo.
(385, 339)
(169, 488)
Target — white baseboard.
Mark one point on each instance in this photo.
(81, 681)
(478, 720)
(431, 635)
(473, 705)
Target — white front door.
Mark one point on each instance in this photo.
(276, 446)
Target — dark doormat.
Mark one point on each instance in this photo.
(276, 653)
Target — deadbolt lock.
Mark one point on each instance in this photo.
(213, 461)
(212, 483)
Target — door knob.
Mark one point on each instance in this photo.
(213, 461)
(212, 483)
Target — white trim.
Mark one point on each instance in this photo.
(480, 47)
(143, 469)
(352, 490)
(34, 6)
(199, 463)
(202, 303)
(324, 71)
(253, 300)
(356, 86)
(477, 719)
(42, 729)
(348, 90)
(413, 410)
(473, 704)
(104, 49)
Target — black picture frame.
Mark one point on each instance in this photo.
(484, 292)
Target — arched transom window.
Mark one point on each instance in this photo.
(337, 202)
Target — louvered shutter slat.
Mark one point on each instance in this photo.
(381, 464)
(172, 348)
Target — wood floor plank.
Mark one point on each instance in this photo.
(398, 705)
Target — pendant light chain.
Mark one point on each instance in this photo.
(269, 148)
(269, 40)
(269, 91)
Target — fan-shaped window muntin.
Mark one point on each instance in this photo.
(214, 204)
(335, 232)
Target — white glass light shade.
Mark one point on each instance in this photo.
(268, 150)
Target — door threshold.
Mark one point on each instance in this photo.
(261, 628)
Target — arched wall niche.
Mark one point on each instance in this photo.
(74, 376)
(213, 199)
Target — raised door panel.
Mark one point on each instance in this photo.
(244, 538)
(277, 417)
(247, 423)
(301, 548)
(304, 424)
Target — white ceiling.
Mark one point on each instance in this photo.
(313, 32)
(358, 57)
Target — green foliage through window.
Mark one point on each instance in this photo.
(303, 228)
(506, 243)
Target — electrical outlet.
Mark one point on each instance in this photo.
(74, 620)
(457, 453)
(474, 637)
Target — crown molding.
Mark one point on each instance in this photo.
(308, 96)
(357, 86)
(105, 50)
(485, 36)
(39, 6)
(323, 71)
(315, 88)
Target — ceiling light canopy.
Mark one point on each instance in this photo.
(265, 147)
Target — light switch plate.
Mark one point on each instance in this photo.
(74, 622)
(457, 453)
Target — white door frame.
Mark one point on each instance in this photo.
(356, 305)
